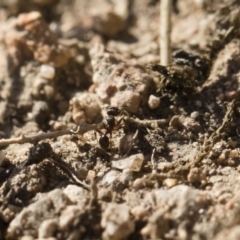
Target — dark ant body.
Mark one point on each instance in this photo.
(109, 125)
(113, 111)
(104, 141)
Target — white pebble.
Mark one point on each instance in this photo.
(153, 102)
(47, 71)
(170, 182)
(194, 114)
(132, 163)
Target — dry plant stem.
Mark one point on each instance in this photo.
(153, 162)
(215, 136)
(80, 129)
(72, 175)
(148, 123)
(165, 32)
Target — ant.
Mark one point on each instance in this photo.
(109, 125)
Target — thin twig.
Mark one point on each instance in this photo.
(153, 161)
(165, 32)
(147, 123)
(70, 172)
(80, 129)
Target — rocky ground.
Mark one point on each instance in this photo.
(160, 155)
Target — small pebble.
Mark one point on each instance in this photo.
(201, 211)
(26, 18)
(170, 182)
(234, 153)
(129, 100)
(47, 71)
(58, 125)
(194, 115)
(80, 59)
(153, 102)
(139, 212)
(49, 92)
(195, 175)
(132, 163)
(232, 143)
(208, 188)
(78, 117)
(139, 183)
(176, 122)
(212, 172)
(146, 230)
(224, 155)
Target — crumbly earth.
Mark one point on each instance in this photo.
(171, 170)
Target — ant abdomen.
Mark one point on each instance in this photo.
(104, 142)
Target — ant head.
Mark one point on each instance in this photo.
(113, 111)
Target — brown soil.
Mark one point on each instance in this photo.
(171, 167)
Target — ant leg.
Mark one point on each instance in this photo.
(122, 119)
(118, 123)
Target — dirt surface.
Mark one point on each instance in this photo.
(162, 158)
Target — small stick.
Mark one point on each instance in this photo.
(165, 32)
(80, 129)
(70, 172)
(153, 162)
(148, 123)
